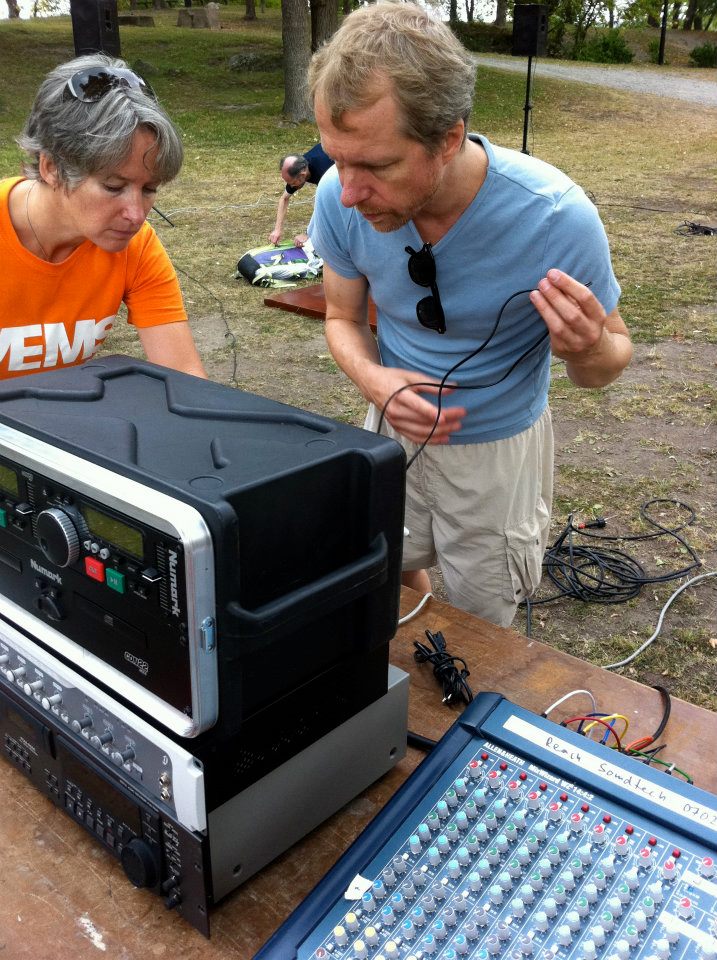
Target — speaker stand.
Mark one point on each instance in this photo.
(527, 108)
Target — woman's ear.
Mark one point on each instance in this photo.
(48, 171)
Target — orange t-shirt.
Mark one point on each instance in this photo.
(58, 314)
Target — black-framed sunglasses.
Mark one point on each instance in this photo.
(91, 85)
(422, 270)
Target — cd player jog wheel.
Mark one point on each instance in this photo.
(58, 535)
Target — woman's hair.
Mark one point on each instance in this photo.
(87, 138)
(429, 73)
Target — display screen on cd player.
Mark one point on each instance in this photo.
(8, 480)
(119, 534)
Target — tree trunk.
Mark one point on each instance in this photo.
(470, 6)
(324, 21)
(250, 10)
(13, 10)
(676, 9)
(501, 12)
(296, 38)
(348, 7)
(453, 11)
(689, 20)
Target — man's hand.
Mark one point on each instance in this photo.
(595, 345)
(275, 237)
(300, 239)
(406, 411)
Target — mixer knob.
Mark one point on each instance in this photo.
(360, 950)
(513, 789)
(99, 740)
(622, 949)
(550, 906)
(706, 868)
(15, 674)
(526, 946)
(555, 812)
(623, 892)
(599, 834)
(614, 905)
(500, 809)
(577, 822)
(462, 820)
(541, 920)
(494, 779)
(119, 758)
(452, 797)
(460, 787)
(685, 908)
(58, 537)
(418, 916)
(572, 919)
(460, 944)
(564, 936)
(598, 934)
(669, 870)
(474, 770)
(589, 950)
(387, 914)
(655, 891)
(590, 891)
(519, 819)
(4, 659)
(709, 950)
(390, 950)
(388, 875)
(533, 800)
(79, 725)
(518, 907)
(30, 688)
(340, 935)
(53, 701)
(639, 918)
(495, 894)
(351, 921)
(378, 889)
(621, 845)
(439, 930)
(662, 949)
(582, 906)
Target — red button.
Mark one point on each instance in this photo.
(522, 775)
(504, 766)
(585, 807)
(629, 830)
(95, 569)
(607, 818)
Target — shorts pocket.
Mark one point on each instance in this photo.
(524, 552)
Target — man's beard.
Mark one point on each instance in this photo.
(395, 219)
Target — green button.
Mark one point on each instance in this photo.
(114, 579)
(3, 518)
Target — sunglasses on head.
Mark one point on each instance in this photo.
(422, 270)
(91, 85)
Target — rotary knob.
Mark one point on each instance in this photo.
(139, 863)
(58, 537)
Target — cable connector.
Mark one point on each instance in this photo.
(597, 523)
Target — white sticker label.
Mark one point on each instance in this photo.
(586, 759)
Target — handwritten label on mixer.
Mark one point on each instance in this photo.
(610, 773)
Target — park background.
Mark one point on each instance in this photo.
(646, 160)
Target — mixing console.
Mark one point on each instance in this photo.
(518, 838)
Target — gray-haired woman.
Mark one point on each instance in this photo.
(74, 241)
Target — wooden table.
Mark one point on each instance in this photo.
(63, 897)
(309, 301)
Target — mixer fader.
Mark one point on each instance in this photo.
(517, 838)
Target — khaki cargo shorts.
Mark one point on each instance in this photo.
(482, 512)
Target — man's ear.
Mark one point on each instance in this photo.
(48, 171)
(453, 140)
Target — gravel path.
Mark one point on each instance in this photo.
(700, 91)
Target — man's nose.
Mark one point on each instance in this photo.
(354, 189)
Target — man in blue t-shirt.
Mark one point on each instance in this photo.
(482, 263)
(296, 170)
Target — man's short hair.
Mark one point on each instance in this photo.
(87, 138)
(430, 73)
(298, 164)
